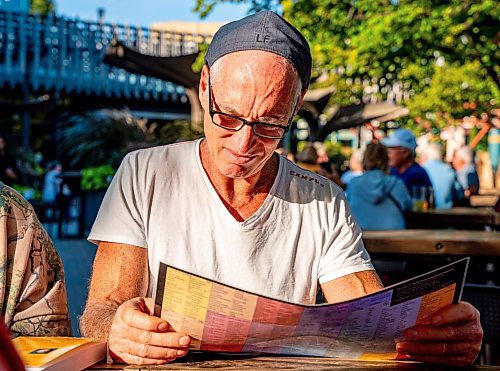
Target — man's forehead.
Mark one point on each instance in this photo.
(246, 67)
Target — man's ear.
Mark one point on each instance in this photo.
(301, 98)
(203, 89)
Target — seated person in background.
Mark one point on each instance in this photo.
(228, 208)
(318, 162)
(463, 163)
(355, 166)
(443, 177)
(308, 158)
(401, 146)
(32, 290)
(378, 200)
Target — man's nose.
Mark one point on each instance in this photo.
(245, 137)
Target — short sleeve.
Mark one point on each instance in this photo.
(344, 252)
(33, 298)
(120, 217)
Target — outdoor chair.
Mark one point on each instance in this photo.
(486, 298)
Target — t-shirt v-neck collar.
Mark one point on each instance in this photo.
(220, 205)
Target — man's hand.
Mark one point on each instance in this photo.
(136, 337)
(454, 337)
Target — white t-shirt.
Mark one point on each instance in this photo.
(304, 232)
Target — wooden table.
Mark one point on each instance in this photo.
(236, 362)
(433, 242)
(483, 200)
(402, 254)
(455, 217)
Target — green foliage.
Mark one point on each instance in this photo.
(104, 137)
(42, 7)
(29, 193)
(443, 53)
(198, 64)
(336, 153)
(97, 178)
(450, 90)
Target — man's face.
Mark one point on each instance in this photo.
(397, 155)
(255, 86)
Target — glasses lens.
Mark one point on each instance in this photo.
(268, 130)
(227, 122)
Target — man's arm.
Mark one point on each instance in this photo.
(351, 286)
(118, 312)
(120, 273)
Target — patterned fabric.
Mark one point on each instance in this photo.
(33, 298)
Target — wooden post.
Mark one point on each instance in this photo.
(480, 135)
(197, 112)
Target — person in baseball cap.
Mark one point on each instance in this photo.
(401, 146)
(400, 138)
(227, 207)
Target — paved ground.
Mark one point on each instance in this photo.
(77, 256)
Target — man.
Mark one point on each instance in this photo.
(463, 163)
(32, 291)
(443, 177)
(401, 145)
(230, 209)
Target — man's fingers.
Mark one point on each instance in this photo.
(168, 339)
(460, 312)
(147, 351)
(135, 318)
(469, 332)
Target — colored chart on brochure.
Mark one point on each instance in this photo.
(222, 318)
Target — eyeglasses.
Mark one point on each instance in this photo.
(234, 123)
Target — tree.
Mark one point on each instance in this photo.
(103, 137)
(42, 7)
(422, 47)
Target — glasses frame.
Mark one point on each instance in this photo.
(244, 122)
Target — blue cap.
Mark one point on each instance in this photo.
(400, 138)
(265, 31)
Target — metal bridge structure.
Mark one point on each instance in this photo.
(65, 57)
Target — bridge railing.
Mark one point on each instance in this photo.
(66, 55)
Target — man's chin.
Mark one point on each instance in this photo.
(233, 171)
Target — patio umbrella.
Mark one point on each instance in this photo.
(338, 117)
(313, 104)
(174, 69)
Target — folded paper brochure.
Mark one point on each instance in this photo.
(222, 318)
